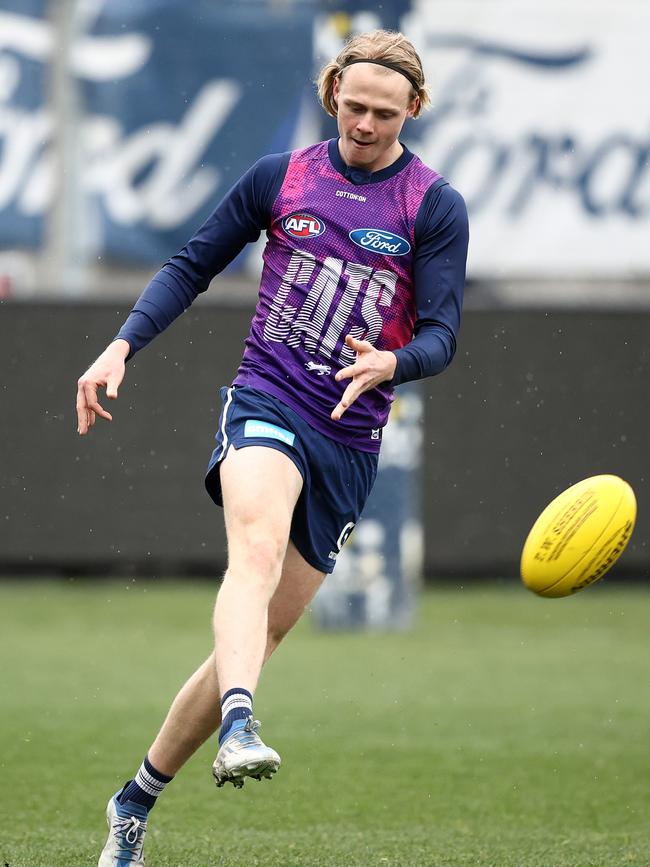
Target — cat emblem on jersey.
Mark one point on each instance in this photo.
(301, 225)
(319, 369)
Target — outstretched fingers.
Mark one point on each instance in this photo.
(350, 394)
(370, 368)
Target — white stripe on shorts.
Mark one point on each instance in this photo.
(224, 444)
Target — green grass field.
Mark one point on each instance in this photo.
(503, 730)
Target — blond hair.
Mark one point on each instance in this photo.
(378, 45)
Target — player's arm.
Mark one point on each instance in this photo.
(238, 219)
(441, 235)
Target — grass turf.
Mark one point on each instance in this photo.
(503, 730)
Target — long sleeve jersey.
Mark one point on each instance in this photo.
(380, 256)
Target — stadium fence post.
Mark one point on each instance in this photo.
(379, 569)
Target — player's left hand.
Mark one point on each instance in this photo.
(371, 367)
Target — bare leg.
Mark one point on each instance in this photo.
(260, 488)
(196, 711)
(195, 714)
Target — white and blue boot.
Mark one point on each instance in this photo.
(243, 754)
(127, 825)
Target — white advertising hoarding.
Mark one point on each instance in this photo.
(541, 119)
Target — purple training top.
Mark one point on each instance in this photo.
(377, 255)
(338, 261)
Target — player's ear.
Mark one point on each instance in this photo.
(413, 107)
(336, 89)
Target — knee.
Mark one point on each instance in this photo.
(261, 555)
(279, 625)
(274, 635)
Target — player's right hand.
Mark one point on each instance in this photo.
(107, 372)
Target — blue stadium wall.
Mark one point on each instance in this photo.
(532, 403)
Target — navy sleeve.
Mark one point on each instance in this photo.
(441, 239)
(238, 219)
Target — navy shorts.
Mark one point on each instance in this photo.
(337, 479)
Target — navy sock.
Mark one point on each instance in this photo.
(236, 704)
(146, 786)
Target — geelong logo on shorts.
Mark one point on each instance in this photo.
(342, 539)
(301, 225)
(379, 241)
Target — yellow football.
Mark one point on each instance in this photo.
(578, 536)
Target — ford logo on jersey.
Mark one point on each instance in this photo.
(303, 225)
(380, 242)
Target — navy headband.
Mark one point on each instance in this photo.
(388, 65)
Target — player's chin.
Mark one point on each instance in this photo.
(358, 148)
(364, 153)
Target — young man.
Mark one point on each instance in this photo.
(361, 290)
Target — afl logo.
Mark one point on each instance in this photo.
(302, 225)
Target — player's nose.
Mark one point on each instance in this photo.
(364, 124)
